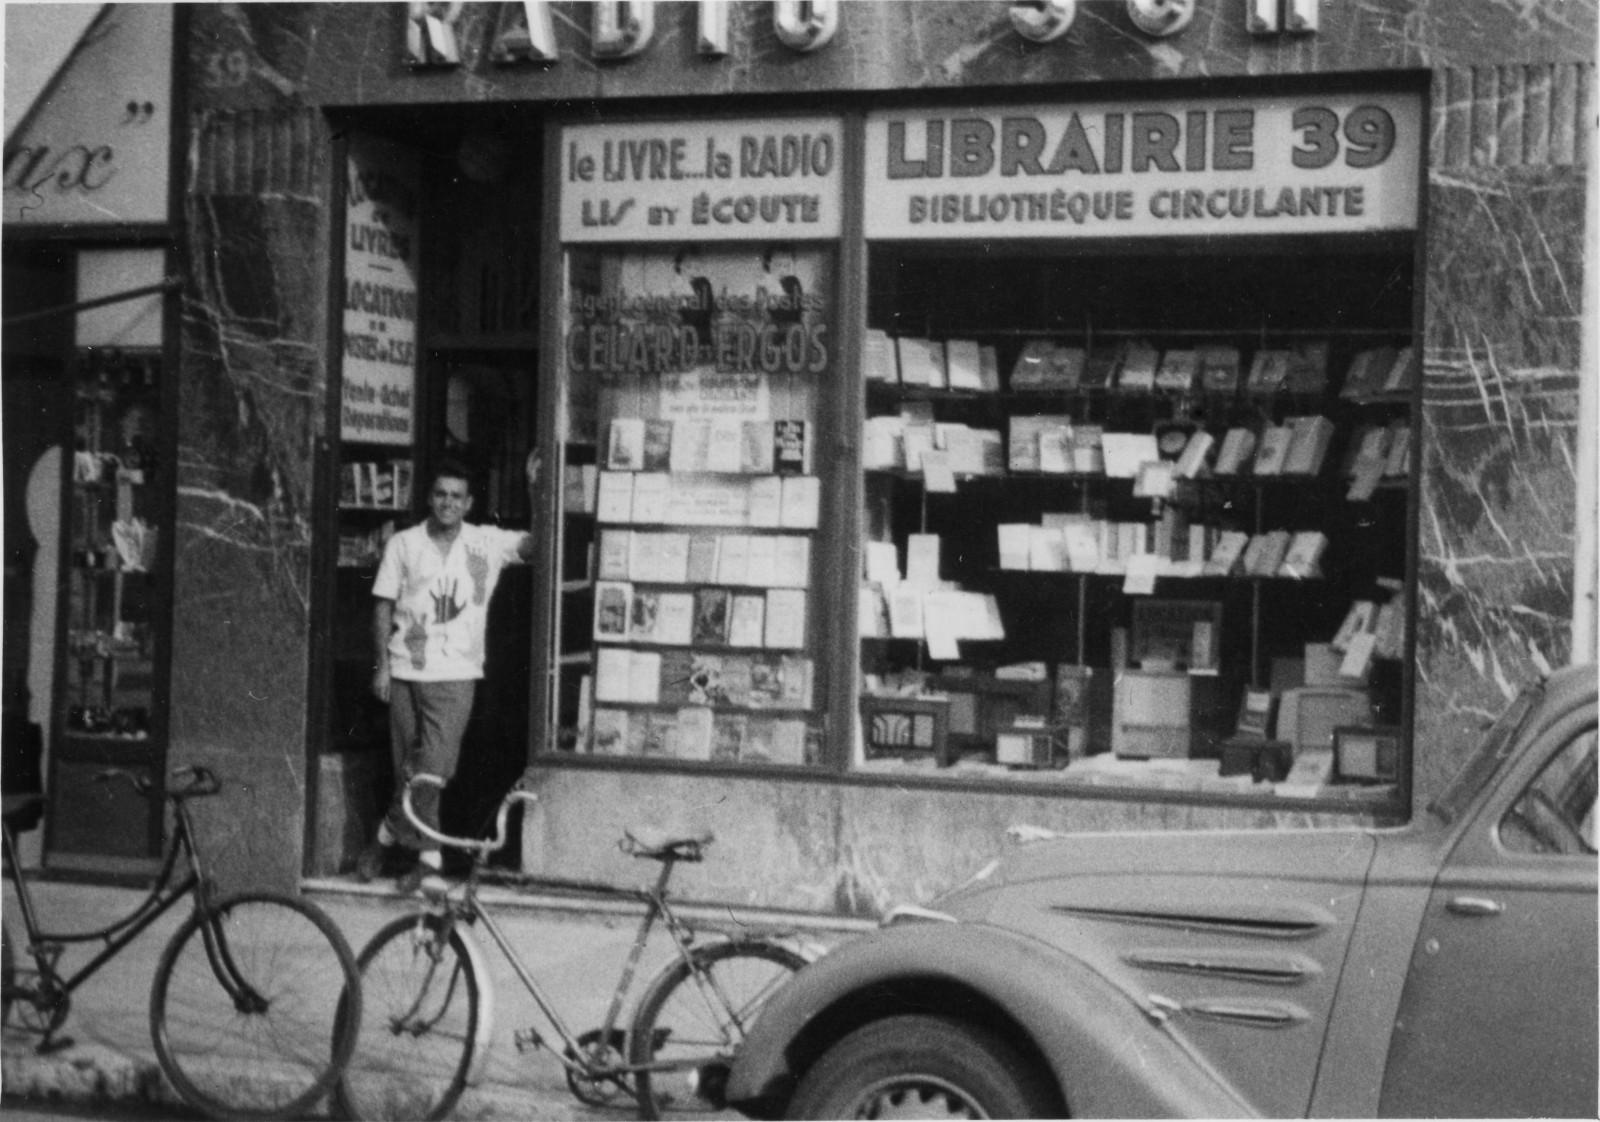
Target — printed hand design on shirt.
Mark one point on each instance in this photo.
(478, 570)
(416, 641)
(445, 608)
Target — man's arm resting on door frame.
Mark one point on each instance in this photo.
(382, 627)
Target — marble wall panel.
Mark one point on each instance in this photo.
(1500, 425)
(252, 396)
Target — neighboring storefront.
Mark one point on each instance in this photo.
(1135, 426)
(89, 434)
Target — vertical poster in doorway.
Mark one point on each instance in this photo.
(380, 294)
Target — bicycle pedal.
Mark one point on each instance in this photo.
(527, 1040)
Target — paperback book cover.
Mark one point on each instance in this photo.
(1100, 366)
(1303, 559)
(612, 666)
(705, 679)
(1273, 451)
(614, 502)
(1178, 371)
(921, 362)
(756, 447)
(878, 363)
(1309, 441)
(657, 452)
(610, 732)
(791, 451)
(1137, 373)
(711, 617)
(625, 450)
(764, 500)
(1219, 367)
(613, 606)
(746, 620)
(1367, 372)
(1308, 368)
(1238, 446)
(801, 502)
(758, 740)
(963, 365)
(785, 626)
(616, 549)
(695, 723)
(701, 566)
(674, 618)
(1402, 372)
(1268, 370)
(642, 616)
(728, 732)
(733, 559)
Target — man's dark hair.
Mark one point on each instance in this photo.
(452, 469)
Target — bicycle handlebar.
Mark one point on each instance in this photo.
(188, 781)
(485, 846)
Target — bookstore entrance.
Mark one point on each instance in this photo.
(437, 360)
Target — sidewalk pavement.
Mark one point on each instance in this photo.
(575, 948)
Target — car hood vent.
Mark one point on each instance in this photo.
(1239, 966)
(1279, 921)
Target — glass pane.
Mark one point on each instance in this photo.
(688, 627)
(113, 543)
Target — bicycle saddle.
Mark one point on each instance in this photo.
(663, 845)
(21, 812)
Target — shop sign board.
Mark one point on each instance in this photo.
(701, 181)
(1315, 163)
(94, 147)
(379, 354)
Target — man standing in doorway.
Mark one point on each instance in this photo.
(431, 607)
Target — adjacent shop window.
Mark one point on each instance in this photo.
(1138, 445)
(691, 502)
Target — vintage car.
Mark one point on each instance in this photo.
(1443, 968)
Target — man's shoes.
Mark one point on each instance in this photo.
(422, 878)
(369, 865)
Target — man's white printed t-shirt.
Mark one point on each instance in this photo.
(441, 600)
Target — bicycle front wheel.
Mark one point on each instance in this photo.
(421, 1000)
(246, 1007)
(692, 1021)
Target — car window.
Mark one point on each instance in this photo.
(1555, 813)
(1485, 760)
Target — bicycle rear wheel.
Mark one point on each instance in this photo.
(245, 1007)
(694, 1016)
(421, 1001)
(8, 974)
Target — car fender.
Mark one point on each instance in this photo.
(1109, 1056)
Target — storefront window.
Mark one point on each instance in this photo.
(691, 502)
(1139, 445)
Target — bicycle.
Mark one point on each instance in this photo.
(245, 1005)
(428, 996)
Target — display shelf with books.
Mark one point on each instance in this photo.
(114, 565)
(1155, 435)
(702, 502)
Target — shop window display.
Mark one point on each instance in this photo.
(691, 503)
(1137, 518)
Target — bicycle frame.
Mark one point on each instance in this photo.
(657, 910)
(45, 947)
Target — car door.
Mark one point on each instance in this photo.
(1498, 1015)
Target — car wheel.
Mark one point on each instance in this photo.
(922, 1067)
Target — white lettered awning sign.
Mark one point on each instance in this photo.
(1345, 163)
(701, 181)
